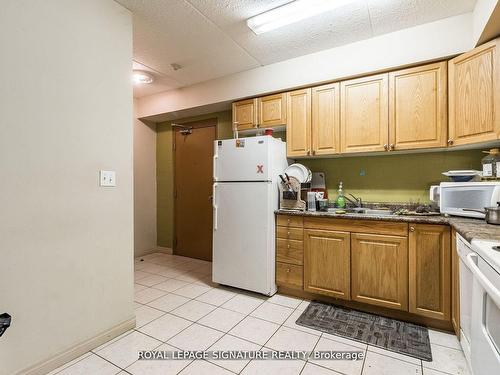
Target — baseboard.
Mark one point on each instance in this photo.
(157, 249)
(78, 350)
(166, 250)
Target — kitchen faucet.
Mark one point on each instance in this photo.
(355, 201)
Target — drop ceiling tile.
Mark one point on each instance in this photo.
(340, 26)
(167, 32)
(210, 38)
(392, 15)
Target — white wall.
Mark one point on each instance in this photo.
(480, 17)
(434, 40)
(486, 21)
(66, 244)
(144, 187)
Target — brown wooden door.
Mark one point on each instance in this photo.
(379, 270)
(245, 114)
(298, 127)
(364, 124)
(474, 90)
(326, 119)
(418, 107)
(193, 190)
(429, 266)
(327, 263)
(272, 110)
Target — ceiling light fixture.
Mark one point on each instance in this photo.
(292, 12)
(140, 77)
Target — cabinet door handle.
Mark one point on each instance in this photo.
(386, 147)
(308, 152)
(314, 152)
(288, 233)
(391, 147)
(450, 142)
(288, 270)
(288, 246)
(412, 229)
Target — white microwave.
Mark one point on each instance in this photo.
(457, 198)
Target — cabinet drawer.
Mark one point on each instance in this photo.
(290, 233)
(290, 251)
(290, 221)
(289, 275)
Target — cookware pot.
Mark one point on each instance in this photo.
(491, 214)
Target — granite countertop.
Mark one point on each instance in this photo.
(468, 228)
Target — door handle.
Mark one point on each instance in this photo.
(214, 205)
(215, 166)
(493, 292)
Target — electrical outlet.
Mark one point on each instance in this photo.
(362, 172)
(107, 178)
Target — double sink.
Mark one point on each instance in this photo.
(365, 211)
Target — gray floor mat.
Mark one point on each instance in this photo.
(391, 334)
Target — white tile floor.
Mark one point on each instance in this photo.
(179, 308)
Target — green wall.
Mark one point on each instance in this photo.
(392, 177)
(165, 168)
(387, 178)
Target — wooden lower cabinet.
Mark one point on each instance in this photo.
(289, 251)
(327, 263)
(289, 275)
(430, 271)
(455, 286)
(410, 269)
(379, 270)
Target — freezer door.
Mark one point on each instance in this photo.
(245, 159)
(243, 240)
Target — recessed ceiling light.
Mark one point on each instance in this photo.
(292, 12)
(140, 77)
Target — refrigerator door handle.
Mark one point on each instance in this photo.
(215, 166)
(214, 205)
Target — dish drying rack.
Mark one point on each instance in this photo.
(290, 190)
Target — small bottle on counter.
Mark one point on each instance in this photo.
(340, 202)
(491, 164)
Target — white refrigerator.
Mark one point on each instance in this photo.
(245, 196)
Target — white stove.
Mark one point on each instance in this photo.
(484, 264)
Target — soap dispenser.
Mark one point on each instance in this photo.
(340, 202)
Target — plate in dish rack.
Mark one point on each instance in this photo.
(468, 172)
(300, 172)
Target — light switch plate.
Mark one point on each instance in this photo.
(107, 178)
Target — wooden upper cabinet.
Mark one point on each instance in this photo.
(418, 107)
(474, 95)
(245, 114)
(430, 269)
(298, 127)
(379, 270)
(272, 110)
(364, 114)
(326, 119)
(327, 263)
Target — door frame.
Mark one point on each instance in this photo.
(205, 123)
